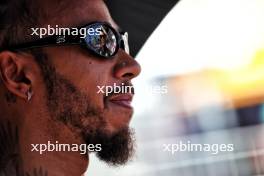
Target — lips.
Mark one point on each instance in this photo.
(123, 100)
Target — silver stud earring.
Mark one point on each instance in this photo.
(29, 95)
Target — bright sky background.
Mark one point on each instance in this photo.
(200, 34)
(204, 33)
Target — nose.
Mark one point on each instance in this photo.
(127, 67)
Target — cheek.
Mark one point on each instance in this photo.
(87, 81)
(85, 72)
(89, 76)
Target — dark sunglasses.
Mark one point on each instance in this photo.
(100, 39)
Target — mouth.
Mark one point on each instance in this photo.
(122, 100)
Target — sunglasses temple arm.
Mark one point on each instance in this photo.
(48, 41)
(124, 40)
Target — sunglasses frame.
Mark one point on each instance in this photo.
(64, 40)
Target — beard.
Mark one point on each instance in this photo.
(69, 105)
(117, 149)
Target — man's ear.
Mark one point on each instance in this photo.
(14, 73)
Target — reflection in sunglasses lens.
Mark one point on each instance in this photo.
(101, 39)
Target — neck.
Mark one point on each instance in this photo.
(21, 144)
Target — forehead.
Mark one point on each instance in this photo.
(79, 12)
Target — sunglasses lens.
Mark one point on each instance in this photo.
(101, 39)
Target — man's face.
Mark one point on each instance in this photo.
(72, 76)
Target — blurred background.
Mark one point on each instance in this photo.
(209, 55)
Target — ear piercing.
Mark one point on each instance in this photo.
(29, 95)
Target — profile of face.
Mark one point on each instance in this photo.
(71, 76)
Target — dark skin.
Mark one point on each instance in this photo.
(32, 120)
